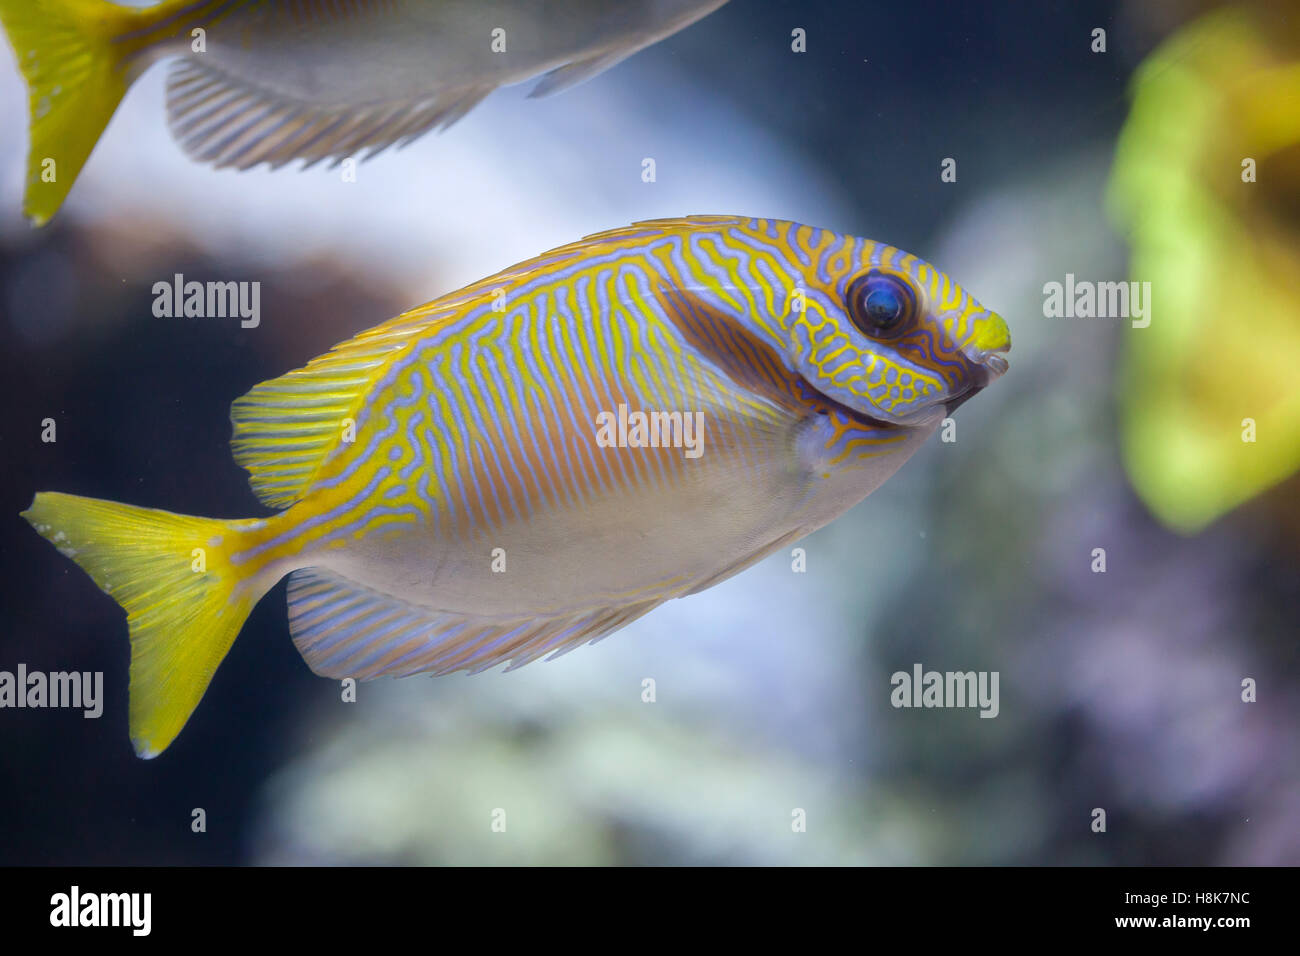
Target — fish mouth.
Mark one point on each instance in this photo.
(988, 367)
(995, 364)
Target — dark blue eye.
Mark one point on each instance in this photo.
(881, 305)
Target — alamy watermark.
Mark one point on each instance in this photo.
(208, 300)
(1084, 299)
(130, 910)
(78, 690)
(922, 688)
(629, 429)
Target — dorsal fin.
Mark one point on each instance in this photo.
(284, 427)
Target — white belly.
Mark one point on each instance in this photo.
(630, 546)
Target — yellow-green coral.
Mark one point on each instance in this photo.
(1223, 256)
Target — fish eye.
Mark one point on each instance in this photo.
(881, 305)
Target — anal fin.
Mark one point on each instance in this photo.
(344, 629)
(222, 119)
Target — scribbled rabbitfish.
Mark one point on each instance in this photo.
(270, 81)
(537, 459)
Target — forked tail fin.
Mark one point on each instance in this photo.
(74, 56)
(185, 601)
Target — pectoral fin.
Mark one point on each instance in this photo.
(571, 74)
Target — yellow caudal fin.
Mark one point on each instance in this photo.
(75, 56)
(184, 600)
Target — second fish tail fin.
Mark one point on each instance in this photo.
(75, 56)
(185, 600)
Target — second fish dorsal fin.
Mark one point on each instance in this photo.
(228, 122)
(344, 629)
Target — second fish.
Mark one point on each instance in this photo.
(270, 81)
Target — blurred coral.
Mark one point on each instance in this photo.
(1207, 186)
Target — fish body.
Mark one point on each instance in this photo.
(356, 54)
(270, 81)
(470, 483)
